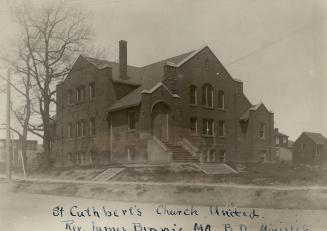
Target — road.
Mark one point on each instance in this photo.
(22, 211)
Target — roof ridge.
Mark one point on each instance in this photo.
(188, 57)
(167, 59)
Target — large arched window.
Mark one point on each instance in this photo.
(193, 95)
(221, 99)
(207, 95)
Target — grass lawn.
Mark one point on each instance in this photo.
(257, 174)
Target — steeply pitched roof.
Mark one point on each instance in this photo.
(133, 72)
(246, 115)
(146, 77)
(130, 100)
(185, 59)
(150, 75)
(317, 138)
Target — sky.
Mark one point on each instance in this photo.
(277, 48)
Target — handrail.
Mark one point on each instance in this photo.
(190, 147)
(160, 143)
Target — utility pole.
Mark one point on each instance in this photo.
(8, 143)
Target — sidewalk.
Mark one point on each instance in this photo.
(235, 186)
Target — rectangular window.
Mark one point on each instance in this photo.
(208, 127)
(193, 95)
(70, 156)
(221, 128)
(211, 155)
(194, 125)
(284, 140)
(78, 134)
(92, 127)
(277, 140)
(131, 120)
(222, 156)
(80, 128)
(92, 157)
(70, 96)
(78, 158)
(70, 130)
(263, 157)
(92, 90)
(131, 153)
(80, 94)
(221, 99)
(262, 131)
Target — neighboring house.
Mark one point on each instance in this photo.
(310, 148)
(31, 153)
(283, 150)
(185, 108)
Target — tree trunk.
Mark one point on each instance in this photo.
(46, 134)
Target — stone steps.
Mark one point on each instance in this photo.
(180, 154)
(216, 168)
(107, 174)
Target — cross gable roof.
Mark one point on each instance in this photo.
(246, 115)
(145, 77)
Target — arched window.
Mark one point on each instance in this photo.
(207, 95)
(193, 95)
(221, 99)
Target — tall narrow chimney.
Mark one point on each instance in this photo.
(123, 59)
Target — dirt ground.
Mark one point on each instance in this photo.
(251, 174)
(178, 194)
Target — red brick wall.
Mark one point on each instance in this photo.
(83, 74)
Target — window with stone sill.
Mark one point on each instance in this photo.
(208, 127)
(194, 125)
(221, 128)
(80, 94)
(262, 131)
(70, 96)
(207, 96)
(221, 100)
(70, 130)
(92, 90)
(92, 127)
(193, 95)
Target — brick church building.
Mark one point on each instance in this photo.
(185, 108)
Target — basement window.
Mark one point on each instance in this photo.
(222, 156)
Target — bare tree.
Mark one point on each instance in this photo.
(52, 36)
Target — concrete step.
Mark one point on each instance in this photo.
(216, 168)
(180, 154)
(107, 174)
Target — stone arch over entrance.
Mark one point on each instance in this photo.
(160, 120)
